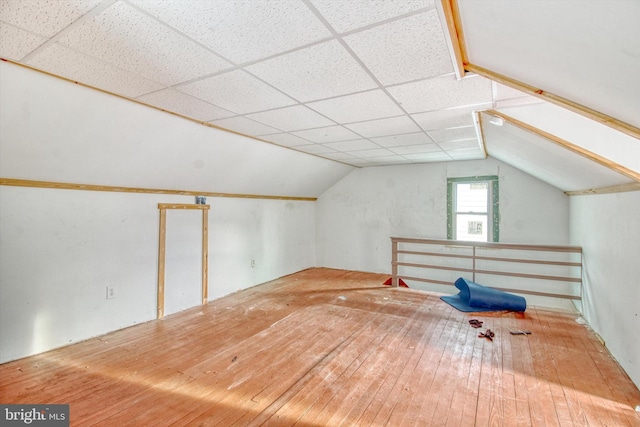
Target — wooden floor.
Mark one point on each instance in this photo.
(328, 347)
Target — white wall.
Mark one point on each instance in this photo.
(60, 249)
(608, 228)
(357, 216)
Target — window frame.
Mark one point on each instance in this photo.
(493, 205)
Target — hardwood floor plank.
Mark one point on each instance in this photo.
(329, 347)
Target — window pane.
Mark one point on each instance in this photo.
(472, 227)
(472, 197)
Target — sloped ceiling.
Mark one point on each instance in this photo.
(362, 82)
(540, 157)
(586, 52)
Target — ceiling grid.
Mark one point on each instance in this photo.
(362, 82)
(328, 78)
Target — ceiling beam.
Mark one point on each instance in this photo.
(455, 30)
(12, 182)
(455, 39)
(568, 145)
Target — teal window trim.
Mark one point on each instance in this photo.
(495, 203)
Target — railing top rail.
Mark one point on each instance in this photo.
(490, 245)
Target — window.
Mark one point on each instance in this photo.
(472, 209)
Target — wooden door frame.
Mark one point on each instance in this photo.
(162, 250)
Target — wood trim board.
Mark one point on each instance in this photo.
(163, 207)
(455, 29)
(13, 182)
(616, 167)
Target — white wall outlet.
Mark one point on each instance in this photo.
(112, 291)
(253, 263)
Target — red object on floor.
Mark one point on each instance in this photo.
(400, 283)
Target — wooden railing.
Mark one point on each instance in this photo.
(548, 271)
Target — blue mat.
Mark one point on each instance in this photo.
(474, 297)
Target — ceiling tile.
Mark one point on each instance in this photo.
(181, 103)
(358, 162)
(370, 105)
(436, 156)
(357, 144)
(240, 30)
(442, 92)
(464, 144)
(384, 127)
(285, 139)
(327, 134)
(237, 91)
(123, 36)
(449, 118)
(60, 60)
(405, 139)
(455, 134)
(314, 149)
(375, 152)
(415, 149)
(44, 17)
(348, 15)
(245, 126)
(416, 42)
(471, 154)
(292, 118)
(16, 43)
(342, 157)
(390, 160)
(321, 71)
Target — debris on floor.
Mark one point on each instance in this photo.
(487, 334)
(475, 323)
(519, 332)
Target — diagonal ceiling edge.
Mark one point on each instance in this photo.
(453, 21)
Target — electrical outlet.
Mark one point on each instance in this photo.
(112, 291)
(253, 263)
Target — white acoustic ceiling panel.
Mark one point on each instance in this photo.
(292, 118)
(449, 118)
(587, 52)
(358, 107)
(352, 145)
(92, 71)
(285, 139)
(546, 160)
(350, 15)
(385, 127)
(16, 42)
(133, 41)
(326, 77)
(424, 53)
(237, 91)
(44, 17)
(173, 100)
(316, 72)
(245, 126)
(240, 30)
(405, 140)
(327, 134)
(443, 92)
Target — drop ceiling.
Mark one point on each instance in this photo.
(361, 82)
